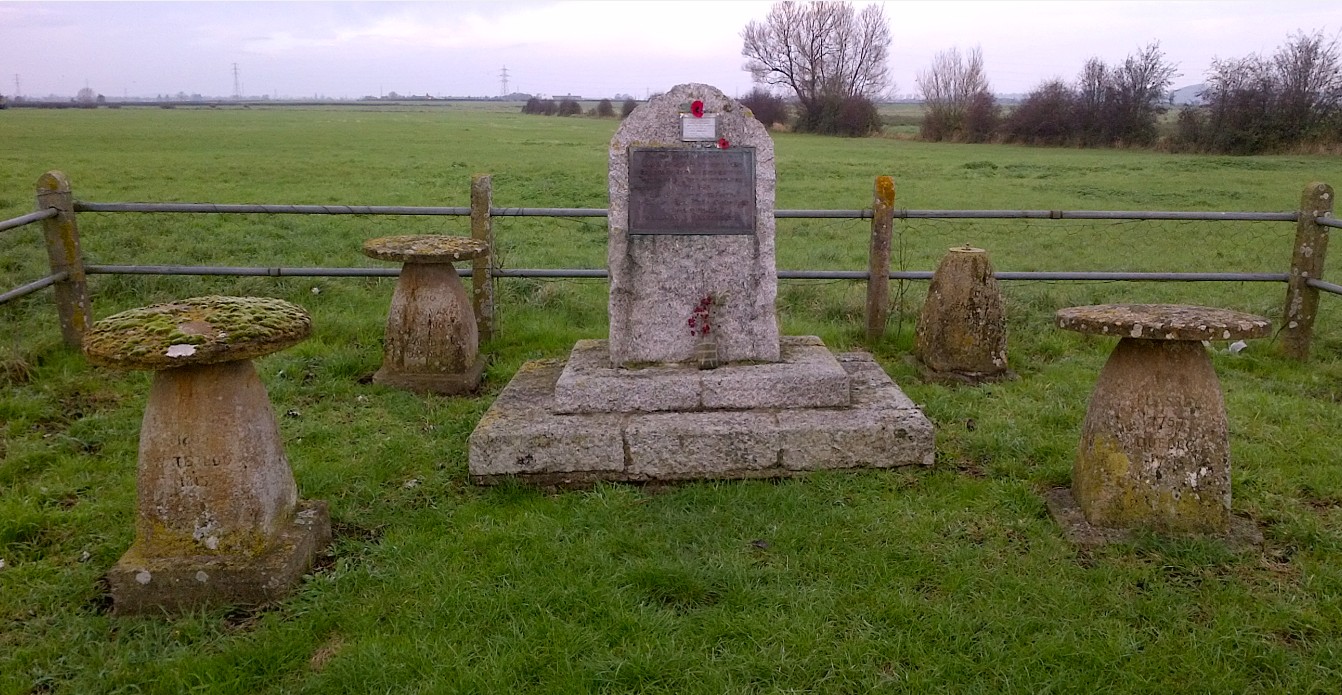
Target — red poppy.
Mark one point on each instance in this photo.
(697, 108)
(723, 144)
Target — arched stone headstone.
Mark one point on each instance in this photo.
(691, 216)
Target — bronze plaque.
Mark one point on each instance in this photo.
(691, 190)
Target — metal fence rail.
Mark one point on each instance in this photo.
(1312, 221)
(779, 214)
(35, 285)
(6, 225)
(579, 273)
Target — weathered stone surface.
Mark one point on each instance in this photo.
(213, 477)
(148, 583)
(218, 519)
(521, 435)
(670, 446)
(431, 330)
(656, 281)
(590, 384)
(1154, 446)
(425, 248)
(199, 330)
(1067, 513)
(807, 377)
(962, 328)
(1163, 322)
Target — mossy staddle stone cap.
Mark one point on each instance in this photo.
(425, 248)
(1163, 322)
(200, 330)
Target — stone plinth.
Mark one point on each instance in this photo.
(961, 333)
(218, 517)
(657, 280)
(523, 435)
(807, 376)
(431, 344)
(1154, 447)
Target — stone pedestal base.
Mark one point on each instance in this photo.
(434, 382)
(642, 437)
(152, 585)
(1155, 450)
(431, 343)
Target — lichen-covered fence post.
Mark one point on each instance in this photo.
(482, 281)
(62, 237)
(1311, 245)
(878, 278)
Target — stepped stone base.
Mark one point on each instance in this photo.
(143, 584)
(678, 423)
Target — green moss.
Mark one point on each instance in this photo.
(222, 328)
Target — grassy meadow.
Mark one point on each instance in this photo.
(951, 578)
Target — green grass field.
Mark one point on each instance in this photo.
(947, 579)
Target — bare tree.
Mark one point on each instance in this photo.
(1093, 96)
(1256, 104)
(955, 87)
(1309, 79)
(824, 52)
(1140, 88)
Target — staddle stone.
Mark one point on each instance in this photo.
(218, 516)
(1155, 450)
(432, 342)
(962, 332)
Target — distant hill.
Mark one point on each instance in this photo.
(1188, 96)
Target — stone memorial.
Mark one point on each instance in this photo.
(694, 380)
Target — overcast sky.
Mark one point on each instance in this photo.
(593, 49)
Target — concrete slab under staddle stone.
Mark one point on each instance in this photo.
(522, 437)
(1062, 506)
(808, 376)
(142, 585)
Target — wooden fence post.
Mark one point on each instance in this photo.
(1311, 245)
(62, 237)
(482, 281)
(878, 278)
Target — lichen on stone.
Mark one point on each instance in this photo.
(425, 248)
(215, 328)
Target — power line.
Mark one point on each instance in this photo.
(503, 82)
(237, 83)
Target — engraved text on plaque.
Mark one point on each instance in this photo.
(691, 190)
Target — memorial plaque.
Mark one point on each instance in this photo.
(702, 129)
(691, 191)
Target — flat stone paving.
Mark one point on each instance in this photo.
(522, 436)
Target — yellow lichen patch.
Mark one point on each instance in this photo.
(221, 329)
(425, 248)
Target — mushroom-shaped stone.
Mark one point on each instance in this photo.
(1155, 447)
(201, 330)
(425, 248)
(432, 342)
(1163, 322)
(961, 334)
(218, 516)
